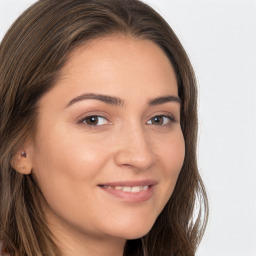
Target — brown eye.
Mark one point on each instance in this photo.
(161, 120)
(95, 120)
(157, 120)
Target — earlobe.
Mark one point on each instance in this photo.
(21, 162)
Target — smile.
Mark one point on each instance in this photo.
(130, 191)
(134, 189)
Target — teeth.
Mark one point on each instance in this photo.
(129, 189)
(136, 189)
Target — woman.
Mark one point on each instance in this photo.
(98, 133)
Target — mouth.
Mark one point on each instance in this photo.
(130, 191)
(134, 189)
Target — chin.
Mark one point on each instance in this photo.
(134, 231)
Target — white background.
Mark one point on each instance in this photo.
(220, 39)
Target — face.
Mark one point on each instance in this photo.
(109, 146)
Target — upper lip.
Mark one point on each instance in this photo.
(130, 183)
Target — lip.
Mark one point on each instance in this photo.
(131, 197)
(130, 183)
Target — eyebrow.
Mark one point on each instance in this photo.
(164, 99)
(111, 100)
(101, 97)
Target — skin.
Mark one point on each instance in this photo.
(70, 158)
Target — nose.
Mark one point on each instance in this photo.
(134, 149)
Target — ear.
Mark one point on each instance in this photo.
(22, 161)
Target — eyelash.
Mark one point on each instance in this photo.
(170, 119)
(167, 120)
(82, 121)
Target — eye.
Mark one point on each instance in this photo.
(94, 120)
(161, 120)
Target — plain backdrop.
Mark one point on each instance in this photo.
(220, 39)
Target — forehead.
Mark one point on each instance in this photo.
(134, 55)
(120, 66)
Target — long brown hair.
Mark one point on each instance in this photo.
(31, 56)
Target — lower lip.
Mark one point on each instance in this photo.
(136, 197)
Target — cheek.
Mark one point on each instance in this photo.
(172, 153)
(65, 168)
(64, 152)
(66, 171)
